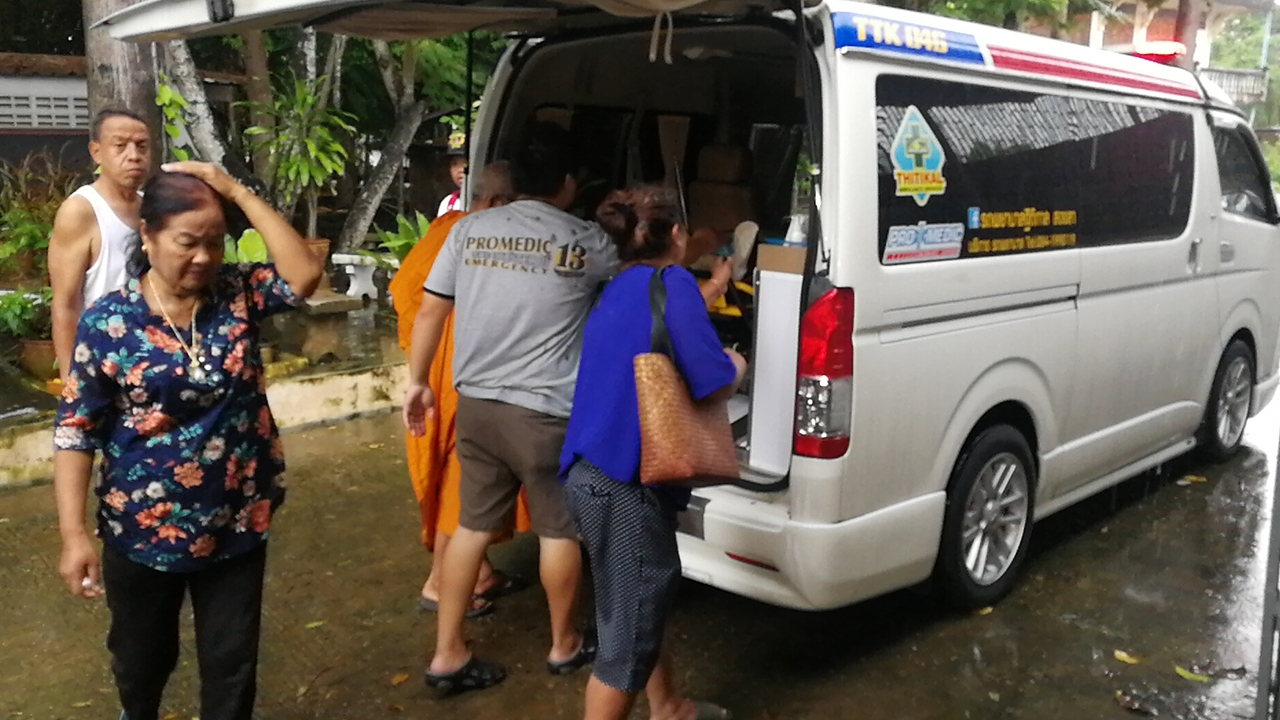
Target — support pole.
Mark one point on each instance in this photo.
(1266, 38)
(470, 91)
(1188, 26)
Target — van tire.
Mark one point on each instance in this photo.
(1227, 411)
(987, 515)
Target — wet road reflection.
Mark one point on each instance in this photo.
(1169, 572)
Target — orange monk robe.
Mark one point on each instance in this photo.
(433, 462)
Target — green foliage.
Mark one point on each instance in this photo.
(229, 254)
(250, 247)
(173, 108)
(1271, 153)
(1239, 45)
(441, 77)
(31, 193)
(408, 233)
(27, 317)
(304, 144)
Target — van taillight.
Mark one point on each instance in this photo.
(824, 394)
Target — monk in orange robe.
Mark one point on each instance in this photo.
(433, 463)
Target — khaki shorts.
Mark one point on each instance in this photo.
(500, 448)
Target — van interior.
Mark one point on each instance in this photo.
(724, 122)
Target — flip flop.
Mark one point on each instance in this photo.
(476, 674)
(710, 711)
(484, 608)
(584, 655)
(504, 585)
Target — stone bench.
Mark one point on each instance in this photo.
(360, 268)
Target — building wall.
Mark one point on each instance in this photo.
(44, 103)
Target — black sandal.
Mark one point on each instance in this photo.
(479, 607)
(476, 674)
(585, 655)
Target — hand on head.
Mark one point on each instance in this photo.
(211, 174)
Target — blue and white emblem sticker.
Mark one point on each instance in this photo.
(917, 159)
(923, 242)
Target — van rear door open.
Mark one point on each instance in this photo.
(161, 20)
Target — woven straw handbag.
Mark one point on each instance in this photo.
(682, 442)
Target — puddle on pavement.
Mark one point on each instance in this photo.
(1169, 574)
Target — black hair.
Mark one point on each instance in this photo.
(639, 220)
(543, 162)
(95, 127)
(168, 194)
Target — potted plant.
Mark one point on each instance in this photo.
(303, 146)
(27, 317)
(408, 233)
(30, 194)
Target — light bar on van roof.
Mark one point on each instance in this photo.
(912, 36)
(1165, 52)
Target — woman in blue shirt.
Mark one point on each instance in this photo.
(166, 382)
(629, 530)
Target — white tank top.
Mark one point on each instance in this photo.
(110, 271)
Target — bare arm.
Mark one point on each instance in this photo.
(70, 250)
(718, 285)
(71, 470)
(740, 372)
(428, 325)
(294, 261)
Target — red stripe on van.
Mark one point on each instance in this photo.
(1020, 61)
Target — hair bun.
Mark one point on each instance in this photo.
(617, 216)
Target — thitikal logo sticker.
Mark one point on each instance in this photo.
(917, 159)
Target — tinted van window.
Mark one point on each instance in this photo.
(1245, 181)
(968, 170)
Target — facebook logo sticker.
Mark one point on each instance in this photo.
(974, 218)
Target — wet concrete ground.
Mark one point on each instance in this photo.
(1169, 573)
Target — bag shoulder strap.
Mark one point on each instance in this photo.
(659, 338)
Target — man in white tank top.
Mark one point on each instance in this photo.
(96, 228)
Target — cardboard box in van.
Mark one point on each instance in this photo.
(781, 258)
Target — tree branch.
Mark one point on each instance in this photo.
(375, 185)
(308, 49)
(408, 70)
(386, 66)
(260, 99)
(332, 72)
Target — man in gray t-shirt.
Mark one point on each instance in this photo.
(520, 280)
(522, 277)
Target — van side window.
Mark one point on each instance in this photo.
(967, 170)
(1245, 182)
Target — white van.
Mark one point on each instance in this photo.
(1031, 271)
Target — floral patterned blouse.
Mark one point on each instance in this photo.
(192, 465)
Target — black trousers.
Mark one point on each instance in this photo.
(143, 640)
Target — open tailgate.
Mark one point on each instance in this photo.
(160, 20)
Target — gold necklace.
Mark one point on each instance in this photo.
(193, 350)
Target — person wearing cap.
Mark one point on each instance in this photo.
(457, 172)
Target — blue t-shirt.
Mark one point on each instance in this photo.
(604, 427)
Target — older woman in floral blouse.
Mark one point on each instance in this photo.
(166, 383)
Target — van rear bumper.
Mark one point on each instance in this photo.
(818, 565)
(1263, 392)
